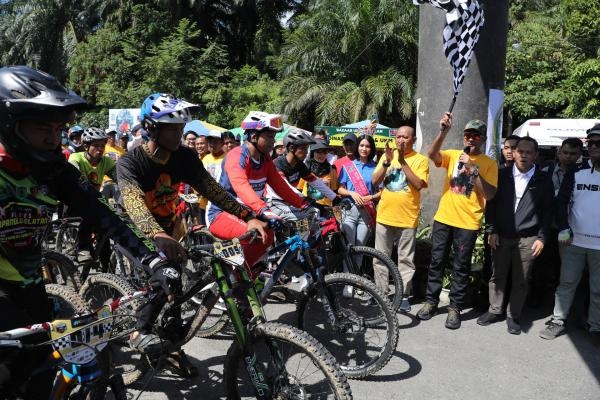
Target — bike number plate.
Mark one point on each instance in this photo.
(75, 339)
(231, 252)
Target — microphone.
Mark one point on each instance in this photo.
(466, 150)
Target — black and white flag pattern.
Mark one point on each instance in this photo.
(464, 19)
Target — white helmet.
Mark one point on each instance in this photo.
(166, 109)
(258, 121)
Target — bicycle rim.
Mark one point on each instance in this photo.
(365, 334)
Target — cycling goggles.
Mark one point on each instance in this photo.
(275, 124)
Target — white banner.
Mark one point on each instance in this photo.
(123, 119)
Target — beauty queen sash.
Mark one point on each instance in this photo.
(360, 186)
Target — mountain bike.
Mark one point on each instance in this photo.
(358, 325)
(267, 360)
(77, 341)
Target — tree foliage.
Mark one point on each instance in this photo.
(553, 59)
(348, 59)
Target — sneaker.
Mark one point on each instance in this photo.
(306, 282)
(295, 279)
(348, 292)
(488, 318)
(146, 343)
(553, 329)
(84, 256)
(404, 305)
(427, 311)
(453, 318)
(513, 326)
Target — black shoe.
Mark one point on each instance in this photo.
(513, 325)
(488, 318)
(453, 318)
(427, 311)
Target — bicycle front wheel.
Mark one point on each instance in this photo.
(363, 335)
(294, 364)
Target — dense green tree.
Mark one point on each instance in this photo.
(40, 33)
(348, 59)
(553, 60)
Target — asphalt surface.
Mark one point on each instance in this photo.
(432, 362)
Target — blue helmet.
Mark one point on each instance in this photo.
(75, 130)
(164, 108)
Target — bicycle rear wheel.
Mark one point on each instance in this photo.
(365, 333)
(100, 289)
(295, 366)
(395, 288)
(65, 302)
(217, 317)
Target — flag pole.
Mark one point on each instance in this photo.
(452, 104)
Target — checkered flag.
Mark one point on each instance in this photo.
(464, 19)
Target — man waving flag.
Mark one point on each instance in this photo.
(464, 19)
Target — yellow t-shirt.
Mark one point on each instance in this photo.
(114, 153)
(460, 205)
(400, 202)
(213, 166)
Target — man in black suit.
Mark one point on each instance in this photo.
(518, 220)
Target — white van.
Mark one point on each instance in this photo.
(552, 132)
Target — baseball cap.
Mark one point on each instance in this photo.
(214, 133)
(278, 143)
(350, 136)
(477, 126)
(110, 131)
(593, 131)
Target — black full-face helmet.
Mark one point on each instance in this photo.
(29, 94)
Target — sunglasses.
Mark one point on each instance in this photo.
(275, 124)
(593, 143)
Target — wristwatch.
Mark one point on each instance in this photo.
(475, 171)
(386, 164)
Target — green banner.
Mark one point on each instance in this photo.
(336, 135)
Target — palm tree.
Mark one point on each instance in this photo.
(350, 58)
(42, 32)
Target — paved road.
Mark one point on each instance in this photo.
(432, 362)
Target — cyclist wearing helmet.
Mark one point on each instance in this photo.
(291, 165)
(75, 143)
(94, 166)
(247, 170)
(34, 177)
(149, 178)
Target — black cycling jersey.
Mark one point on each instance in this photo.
(150, 189)
(293, 174)
(27, 205)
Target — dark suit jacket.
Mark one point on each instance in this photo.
(534, 213)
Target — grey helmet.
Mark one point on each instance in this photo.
(297, 137)
(92, 133)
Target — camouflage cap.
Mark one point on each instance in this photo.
(477, 126)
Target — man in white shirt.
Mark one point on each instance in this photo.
(518, 220)
(577, 217)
